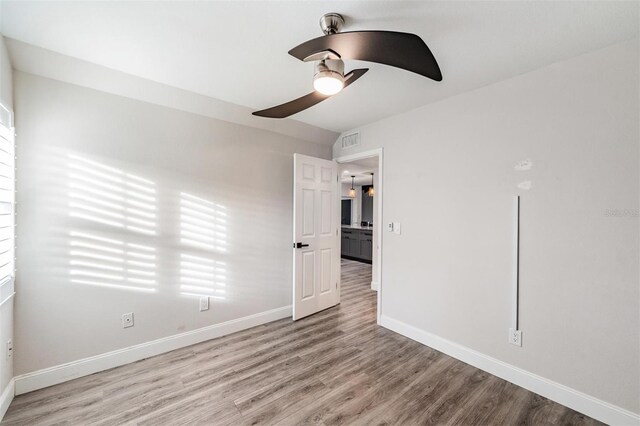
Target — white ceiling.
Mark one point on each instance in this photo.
(237, 51)
(361, 169)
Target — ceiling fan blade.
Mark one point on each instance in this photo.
(401, 50)
(292, 107)
(306, 101)
(353, 76)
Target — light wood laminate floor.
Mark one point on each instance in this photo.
(335, 367)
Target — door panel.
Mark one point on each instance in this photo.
(325, 270)
(326, 209)
(308, 274)
(308, 172)
(308, 212)
(316, 270)
(327, 174)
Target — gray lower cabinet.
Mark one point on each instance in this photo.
(344, 245)
(354, 246)
(348, 243)
(366, 248)
(357, 244)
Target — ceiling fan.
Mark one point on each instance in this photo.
(400, 50)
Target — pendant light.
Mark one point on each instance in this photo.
(370, 192)
(352, 191)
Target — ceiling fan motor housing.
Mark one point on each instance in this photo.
(331, 23)
(329, 68)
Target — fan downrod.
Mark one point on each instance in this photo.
(331, 23)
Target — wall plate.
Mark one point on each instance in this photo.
(127, 320)
(204, 303)
(515, 337)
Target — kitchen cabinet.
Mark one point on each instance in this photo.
(357, 244)
(366, 249)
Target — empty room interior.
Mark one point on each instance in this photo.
(319, 212)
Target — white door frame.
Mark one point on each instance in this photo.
(378, 226)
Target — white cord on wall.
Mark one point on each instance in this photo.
(515, 336)
(516, 261)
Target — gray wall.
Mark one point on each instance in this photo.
(449, 272)
(245, 172)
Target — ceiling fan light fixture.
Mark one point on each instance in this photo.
(397, 49)
(328, 78)
(327, 85)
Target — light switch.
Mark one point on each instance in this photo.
(397, 228)
(390, 226)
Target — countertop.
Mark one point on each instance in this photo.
(365, 228)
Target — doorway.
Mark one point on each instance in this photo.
(319, 249)
(360, 194)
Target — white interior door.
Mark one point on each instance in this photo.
(316, 246)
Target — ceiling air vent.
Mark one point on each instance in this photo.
(350, 140)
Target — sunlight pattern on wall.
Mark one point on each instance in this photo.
(116, 214)
(203, 224)
(111, 197)
(7, 202)
(200, 277)
(108, 262)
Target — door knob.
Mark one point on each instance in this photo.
(300, 245)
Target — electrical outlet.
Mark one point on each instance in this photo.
(204, 304)
(515, 337)
(9, 349)
(127, 320)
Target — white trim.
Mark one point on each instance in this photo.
(6, 398)
(378, 152)
(83, 367)
(374, 285)
(576, 400)
(360, 155)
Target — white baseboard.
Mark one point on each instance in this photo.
(374, 285)
(6, 398)
(83, 367)
(562, 394)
